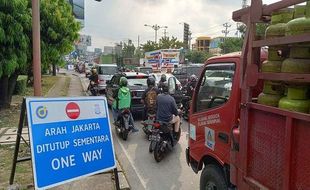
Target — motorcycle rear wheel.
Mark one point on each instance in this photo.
(125, 134)
(158, 153)
(151, 147)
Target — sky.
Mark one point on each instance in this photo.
(112, 21)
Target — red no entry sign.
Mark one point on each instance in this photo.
(73, 110)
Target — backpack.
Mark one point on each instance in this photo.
(150, 98)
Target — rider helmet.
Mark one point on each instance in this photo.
(123, 81)
(193, 78)
(163, 78)
(150, 81)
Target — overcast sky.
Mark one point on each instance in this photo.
(112, 21)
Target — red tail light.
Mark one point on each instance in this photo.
(156, 125)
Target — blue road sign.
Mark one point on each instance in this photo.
(70, 138)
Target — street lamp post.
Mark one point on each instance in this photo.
(156, 28)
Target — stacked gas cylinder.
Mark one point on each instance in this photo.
(294, 59)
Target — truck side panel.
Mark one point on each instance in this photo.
(278, 155)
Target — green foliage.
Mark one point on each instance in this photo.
(260, 29)
(231, 44)
(164, 43)
(128, 50)
(59, 30)
(15, 22)
(150, 46)
(197, 56)
(21, 85)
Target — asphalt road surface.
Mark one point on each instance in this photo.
(141, 169)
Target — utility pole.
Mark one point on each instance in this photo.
(226, 31)
(138, 41)
(36, 38)
(156, 28)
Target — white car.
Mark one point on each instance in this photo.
(157, 77)
(105, 73)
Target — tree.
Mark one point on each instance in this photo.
(197, 56)
(128, 50)
(164, 43)
(167, 43)
(231, 44)
(15, 23)
(260, 29)
(149, 46)
(59, 30)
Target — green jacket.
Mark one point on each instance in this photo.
(123, 99)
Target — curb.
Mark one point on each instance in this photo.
(124, 185)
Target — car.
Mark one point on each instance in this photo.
(105, 73)
(137, 85)
(145, 70)
(184, 72)
(157, 77)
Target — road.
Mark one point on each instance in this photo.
(141, 169)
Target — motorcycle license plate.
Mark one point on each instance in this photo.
(154, 138)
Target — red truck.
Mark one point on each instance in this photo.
(235, 141)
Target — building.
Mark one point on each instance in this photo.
(108, 50)
(215, 45)
(203, 43)
(78, 10)
(81, 45)
(98, 51)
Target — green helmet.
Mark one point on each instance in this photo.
(123, 81)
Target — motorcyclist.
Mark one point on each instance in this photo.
(167, 110)
(163, 79)
(121, 101)
(190, 86)
(149, 97)
(94, 76)
(93, 79)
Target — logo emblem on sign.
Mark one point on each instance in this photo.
(73, 110)
(41, 112)
(97, 109)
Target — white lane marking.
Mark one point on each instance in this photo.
(133, 166)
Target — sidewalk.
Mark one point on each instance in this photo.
(96, 182)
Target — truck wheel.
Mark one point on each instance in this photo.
(212, 178)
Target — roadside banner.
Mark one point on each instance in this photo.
(70, 138)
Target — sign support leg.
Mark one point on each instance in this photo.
(17, 143)
(116, 179)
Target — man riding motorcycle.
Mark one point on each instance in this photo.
(190, 86)
(93, 83)
(167, 110)
(121, 101)
(163, 79)
(149, 97)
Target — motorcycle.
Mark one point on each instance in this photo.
(93, 88)
(123, 125)
(148, 124)
(163, 139)
(186, 105)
